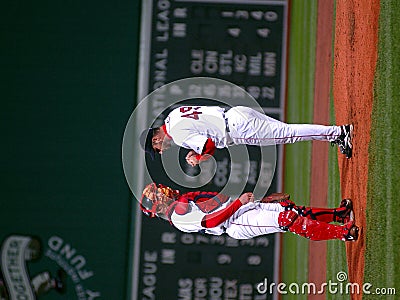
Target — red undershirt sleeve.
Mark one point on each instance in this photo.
(216, 218)
(209, 148)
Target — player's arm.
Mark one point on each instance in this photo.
(216, 218)
(182, 205)
(198, 197)
(194, 158)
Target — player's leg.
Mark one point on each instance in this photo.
(342, 214)
(315, 230)
(261, 220)
(292, 133)
(255, 128)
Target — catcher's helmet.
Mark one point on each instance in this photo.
(154, 195)
(148, 205)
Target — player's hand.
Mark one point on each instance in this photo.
(246, 198)
(191, 158)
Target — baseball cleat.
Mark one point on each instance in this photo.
(350, 231)
(346, 203)
(347, 215)
(344, 140)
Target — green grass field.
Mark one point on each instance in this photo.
(382, 260)
(382, 257)
(299, 110)
(336, 252)
(382, 254)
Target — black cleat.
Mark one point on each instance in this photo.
(347, 215)
(344, 140)
(351, 231)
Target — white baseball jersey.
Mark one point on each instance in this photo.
(250, 220)
(191, 126)
(191, 221)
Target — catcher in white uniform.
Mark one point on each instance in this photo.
(205, 128)
(244, 218)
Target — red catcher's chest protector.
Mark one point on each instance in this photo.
(206, 201)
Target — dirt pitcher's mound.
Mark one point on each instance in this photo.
(355, 56)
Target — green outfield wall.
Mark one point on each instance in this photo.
(68, 74)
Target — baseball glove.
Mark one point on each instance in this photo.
(276, 198)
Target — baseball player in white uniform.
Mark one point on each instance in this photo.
(245, 218)
(206, 128)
